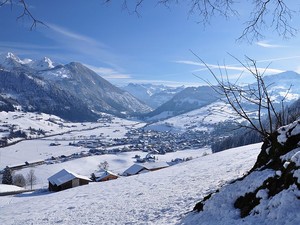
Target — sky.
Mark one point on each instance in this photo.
(161, 45)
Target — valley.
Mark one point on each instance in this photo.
(156, 141)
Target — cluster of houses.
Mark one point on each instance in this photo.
(143, 140)
(66, 179)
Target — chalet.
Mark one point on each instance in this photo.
(145, 167)
(105, 175)
(65, 179)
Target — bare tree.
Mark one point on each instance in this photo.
(19, 180)
(264, 117)
(263, 14)
(31, 178)
(103, 165)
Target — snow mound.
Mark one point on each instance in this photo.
(269, 194)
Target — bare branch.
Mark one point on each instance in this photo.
(280, 20)
(257, 95)
(25, 12)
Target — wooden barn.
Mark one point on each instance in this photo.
(105, 175)
(146, 167)
(65, 179)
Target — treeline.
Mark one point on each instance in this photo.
(243, 137)
(239, 138)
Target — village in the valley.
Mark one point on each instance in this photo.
(147, 145)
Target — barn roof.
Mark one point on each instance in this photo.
(155, 165)
(64, 176)
(103, 174)
(136, 168)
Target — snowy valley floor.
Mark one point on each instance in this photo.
(161, 197)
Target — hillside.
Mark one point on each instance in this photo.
(160, 197)
(269, 194)
(72, 91)
(186, 100)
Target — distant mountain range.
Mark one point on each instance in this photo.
(74, 92)
(153, 95)
(71, 91)
(187, 100)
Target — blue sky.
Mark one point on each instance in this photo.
(155, 47)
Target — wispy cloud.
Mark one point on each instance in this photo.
(75, 36)
(235, 67)
(189, 62)
(85, 48)
(240, 68)
(109, 73)
(265, 44)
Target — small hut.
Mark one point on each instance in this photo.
(65, 179)
(145, 167)
(105, 175)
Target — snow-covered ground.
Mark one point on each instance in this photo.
(40, 149)
(198, 119)
(118, 163)
(9, 188)
(160, 197)
(53, 125)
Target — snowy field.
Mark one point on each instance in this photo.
(40, 149)
(160, 197)
(9, 188)
(118, 163)
(53, 125)
(198, 119)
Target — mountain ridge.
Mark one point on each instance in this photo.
(74, 83)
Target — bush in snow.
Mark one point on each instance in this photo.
(19, 180)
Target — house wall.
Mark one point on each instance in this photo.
(72, 183)
(109, 177)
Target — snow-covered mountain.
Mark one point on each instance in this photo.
(284, 85)
(71, 91)
(9, 61)
(42, 64)
(152, 95)
(187, 100)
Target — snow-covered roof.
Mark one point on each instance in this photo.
(103, 174)
(136, 168)
(64, 176)
(155, 165)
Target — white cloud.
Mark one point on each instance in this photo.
(108, 73)
(265, 44)
(80, 47)
(189, 62)
(75, 36)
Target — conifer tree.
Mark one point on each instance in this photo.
(7, 176)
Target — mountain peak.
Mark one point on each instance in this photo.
(42, 64)
(9, 60)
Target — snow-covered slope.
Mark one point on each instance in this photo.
(268, 195)
(203, 119)
(9, 61)
(160, 197)
(71, 91)
(42, 64)
(187, 100)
